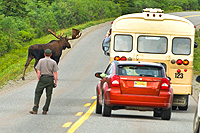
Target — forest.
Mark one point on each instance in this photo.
(24, 20)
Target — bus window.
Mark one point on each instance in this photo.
(123, 43)
(152, 44)
(181, 46)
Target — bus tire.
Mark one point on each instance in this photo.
(184, 108)
(174, 107)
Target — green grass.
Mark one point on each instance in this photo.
(197, 54)
(12, 63)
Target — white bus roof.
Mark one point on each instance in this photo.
(153, 23)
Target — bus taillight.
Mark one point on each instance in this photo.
(179, 61)
(178, 70)
(123, 58)
(117, 58)
(185, 62)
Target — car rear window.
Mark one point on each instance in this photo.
(140, 70)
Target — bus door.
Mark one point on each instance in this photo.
(152, 48)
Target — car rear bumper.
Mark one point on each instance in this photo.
(163, 100)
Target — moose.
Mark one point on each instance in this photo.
(37, 51)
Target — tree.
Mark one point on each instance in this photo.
(14, 8)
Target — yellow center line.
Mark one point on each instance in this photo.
(190, 16)
(80, 121)
(87, 104)
(94, 97)
(67, 124)
(79, 113)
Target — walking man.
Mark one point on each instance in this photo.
(46, 72)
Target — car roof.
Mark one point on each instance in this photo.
(137, 63)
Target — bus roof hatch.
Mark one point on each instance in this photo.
(153, 10)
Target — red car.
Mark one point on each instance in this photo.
(134, 85)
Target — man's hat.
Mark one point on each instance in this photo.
(48, 51)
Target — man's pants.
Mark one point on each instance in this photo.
(44, 82)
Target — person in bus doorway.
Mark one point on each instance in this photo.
(46, 72)
(108, 36)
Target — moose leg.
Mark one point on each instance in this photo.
(36, 62)
(26, 65)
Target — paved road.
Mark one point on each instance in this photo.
(74, 96)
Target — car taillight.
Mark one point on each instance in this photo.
(165, 84)
(185, 62)
(123, 58)
(117, 58)
(179, 61)
(115, 82)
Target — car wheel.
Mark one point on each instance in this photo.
(174, 107)
(166, 114)
(106, 110)
(98, 106)
(157, 114)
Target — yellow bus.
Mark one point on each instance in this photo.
(153, 36)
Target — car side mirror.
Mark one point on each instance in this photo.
(195, 45)
(198, 79)
(98, 74)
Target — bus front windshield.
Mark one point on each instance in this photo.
(152, 44)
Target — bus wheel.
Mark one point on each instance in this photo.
(174, 107)
(184, 108)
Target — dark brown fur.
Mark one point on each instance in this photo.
(37, 51)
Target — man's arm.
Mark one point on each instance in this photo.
(55, 77)
(38, 74)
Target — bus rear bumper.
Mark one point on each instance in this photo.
(182, 89)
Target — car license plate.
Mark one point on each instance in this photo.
(179, 75)
(140, 84)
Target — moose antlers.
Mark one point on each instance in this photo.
(75, 34)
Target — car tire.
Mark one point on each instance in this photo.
(174, 107)
(106, 110)
(157, 114)
(166, 114)
(98, 106)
